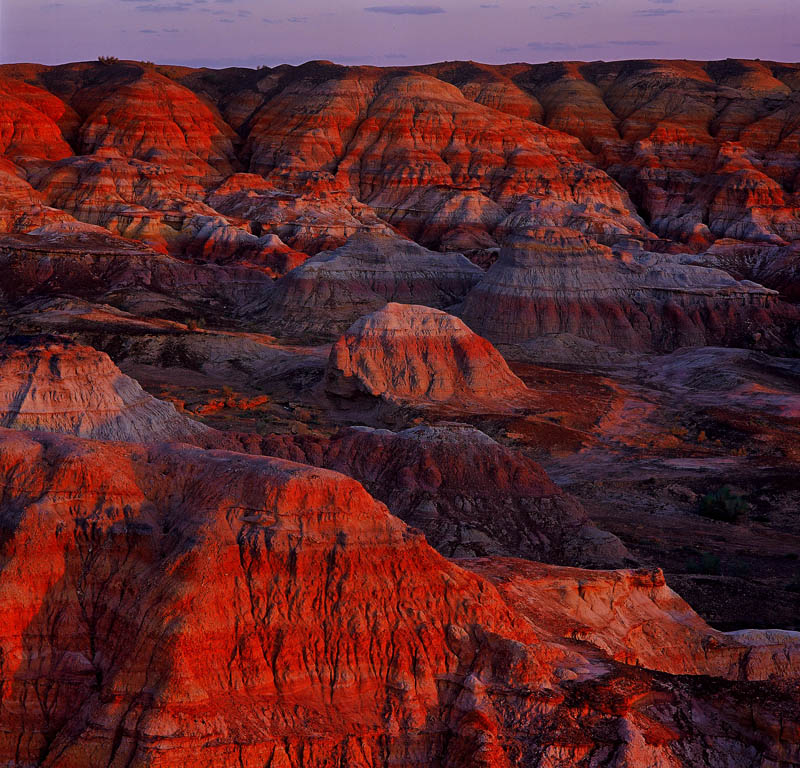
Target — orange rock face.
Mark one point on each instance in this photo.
(635, 618)
(411, 353)
(179, 605)
(231, 168)
(468, 494)
(167, 603)
(258, 599)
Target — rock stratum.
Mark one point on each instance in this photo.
(654, 159)
(62, 387)
(180, 605)
(408, 353)
(368, 417)
(468, 494)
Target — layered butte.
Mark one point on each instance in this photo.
(62, 387)
(334, 288)
(415, 354)
(549, 281)
(468, 494)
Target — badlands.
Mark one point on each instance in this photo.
(411, 416)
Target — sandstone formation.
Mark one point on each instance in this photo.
(558, 281)
(164, 602)
(468, 494)
(334, 288)
(405, 353)
(82, 262)
(61, 387)
(229, 167)
(170, 602)
(635, 618)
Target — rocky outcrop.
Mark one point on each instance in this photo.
(87, 262)
(558, 281)
(170, 601)
(469, 495)
(635, 618)
(175, 612)
(664, 155)
(61, 387)
(334, 288)
(405, 353)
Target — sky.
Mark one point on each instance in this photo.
(219, 33)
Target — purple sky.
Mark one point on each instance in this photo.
(253, 32)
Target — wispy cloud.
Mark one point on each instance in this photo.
(635, 43)
(561, 15)
(166, 8)
(405, 10)
(558, 47)
(657, 12)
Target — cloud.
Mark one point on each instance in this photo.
(244, 14)
(405, 10)
(297, 19)
(168, 8)
(508, 49)
(657, 12)
(148, 32)
(395, 56)
(225, 21)
(560, 15)
(661, 2)
(552, 46)
(490, 5)
(635, 43)
(51, 6)
(555, 47)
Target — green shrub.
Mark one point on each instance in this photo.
(723, 504)
(704, 563)
(108, 60)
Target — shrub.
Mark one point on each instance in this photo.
(723, 504)
(705, 563)
(108, 60)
